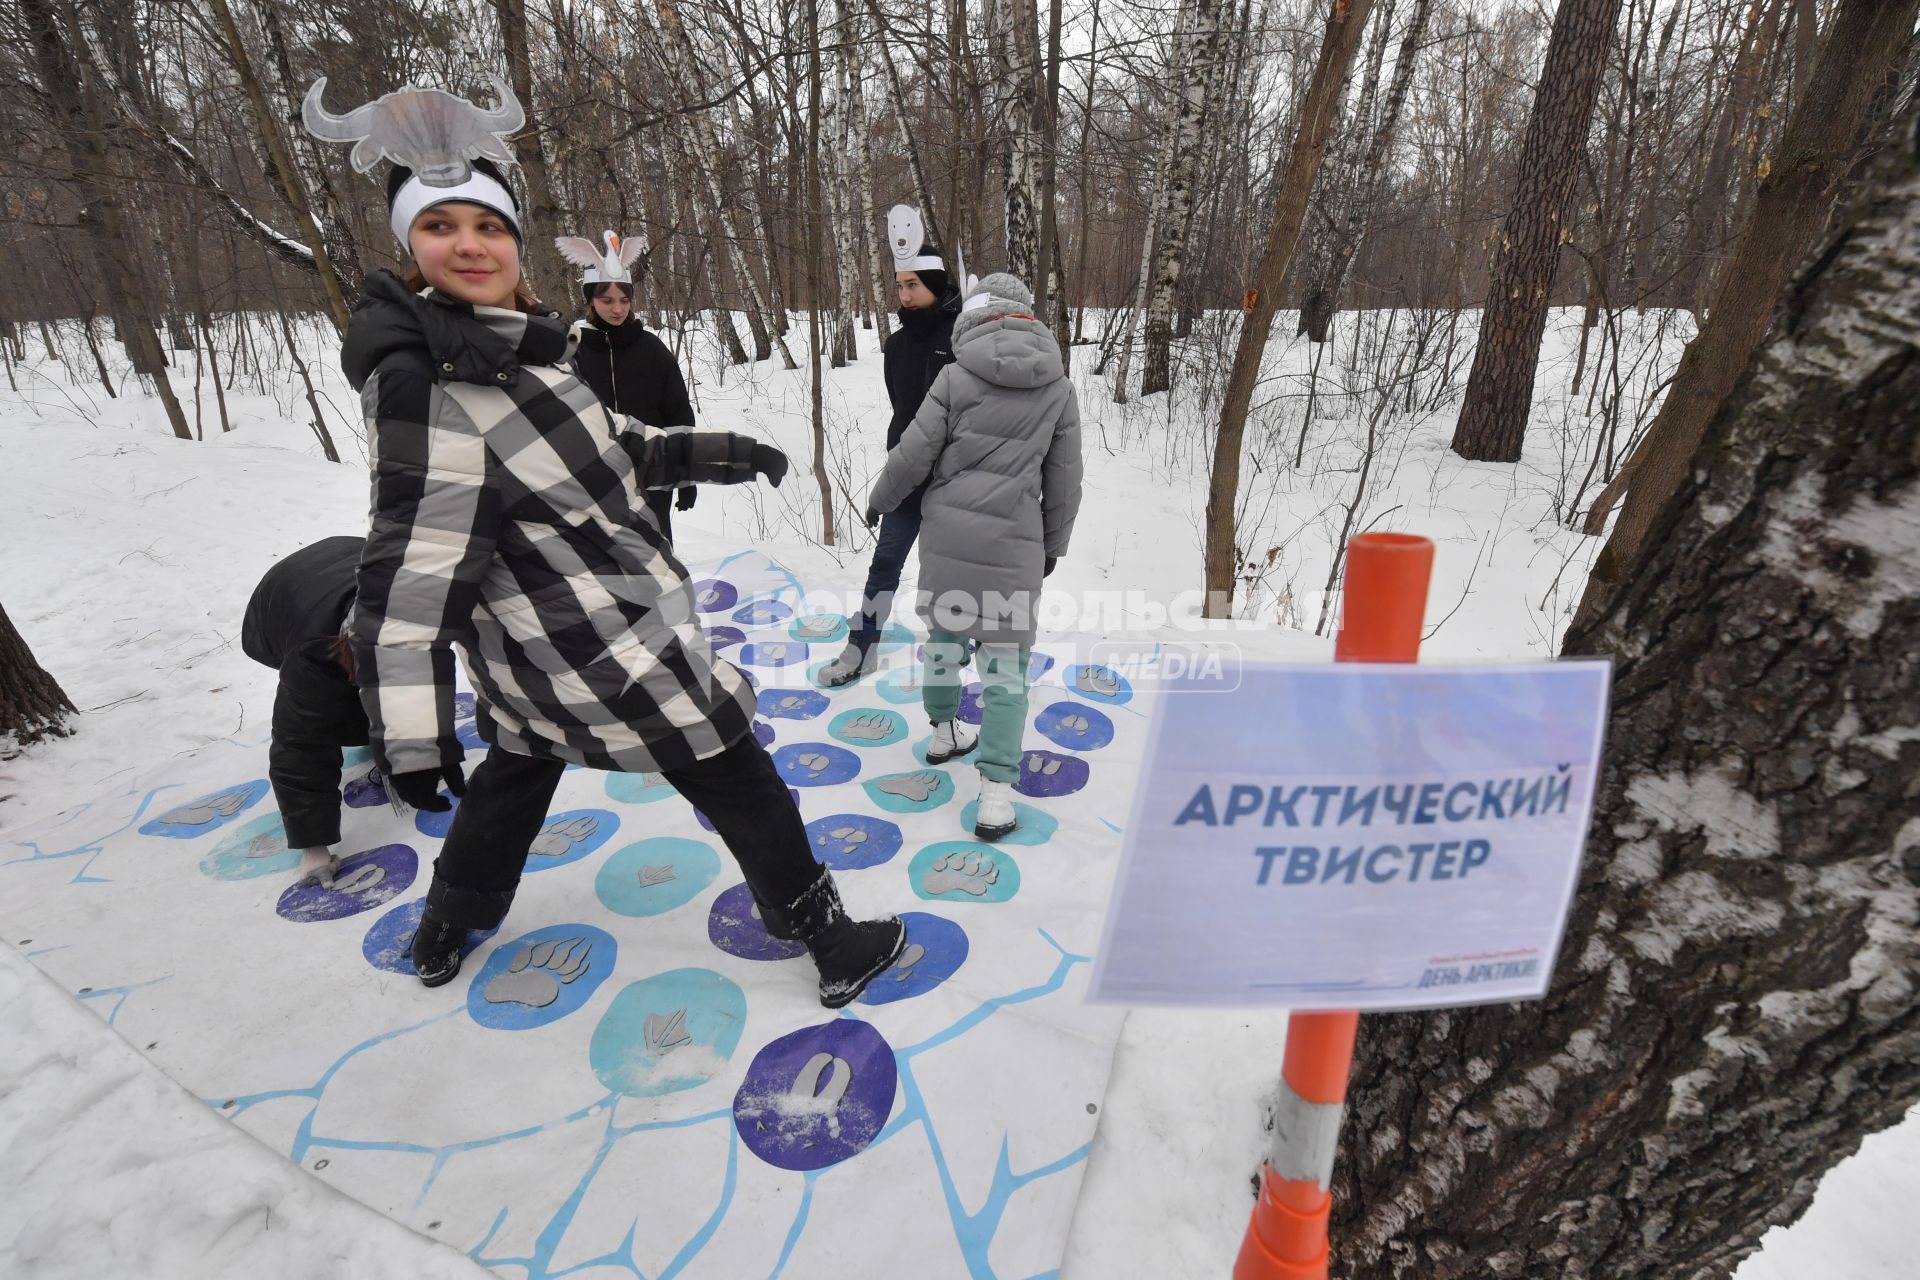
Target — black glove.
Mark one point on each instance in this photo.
(421, 787)
(1048, 571)
(771, 463)
(873, 518)
(687, 495)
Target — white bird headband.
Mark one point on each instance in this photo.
(906, 233)
(615, 266)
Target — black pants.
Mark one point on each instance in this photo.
(660, 502)
(739, 790)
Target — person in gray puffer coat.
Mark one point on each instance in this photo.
(997, 442)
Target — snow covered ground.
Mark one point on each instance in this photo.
(132, 556)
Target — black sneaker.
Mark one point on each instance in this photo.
(436, 951)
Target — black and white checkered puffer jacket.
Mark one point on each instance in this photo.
(507, 521)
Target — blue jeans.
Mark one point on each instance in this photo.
(898, 532)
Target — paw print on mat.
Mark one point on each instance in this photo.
(539, 971)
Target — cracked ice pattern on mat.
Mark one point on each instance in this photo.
(573, 1102)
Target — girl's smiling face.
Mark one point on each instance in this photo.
(466, 251)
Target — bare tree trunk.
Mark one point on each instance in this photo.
(1157, 206)
(874, 262)
(70, 82)
(677, 48)
(815, 405)
(1789, 211)
(1345, 21)
(541, 260)
(1047, 285)
(33, 706)
(342, 253)
(1022, 155)
(846, 253)
(1322, 298)
(1337, 189)
(292, 187)
(1735, 1006)
(1203, 43)
(1493, 418)
(929, 215)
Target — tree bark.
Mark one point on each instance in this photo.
(1022, 156)
(1203, 40)
(292, 187)
(1345, 21)
(546, 217)
(1735, 1006)
(68, 77)
(1789, 210)
(1350, 226)
(677, 48)
(33, 706)
(1493, 417)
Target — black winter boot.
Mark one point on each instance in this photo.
(849, 953)
(449, 913)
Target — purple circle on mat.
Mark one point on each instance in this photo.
(733, 926)
(818, 1096)
(721, 637)
(1049, 773)
(363, 882)
(366, 791)
(763, 733)
(970, 711)
(714, 595)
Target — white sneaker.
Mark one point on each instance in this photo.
(995, 816)
(951, 738)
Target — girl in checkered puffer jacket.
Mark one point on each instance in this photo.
(508, 524)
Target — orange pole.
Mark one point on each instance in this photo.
(1380, 621)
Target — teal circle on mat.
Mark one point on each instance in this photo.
(638, 788)
(964, 871)
(1037, 826)
(652, 877)
(818, 628)
(901, 685)
(257, 847)
(869, 727)
(915, 791)
(673, 1031)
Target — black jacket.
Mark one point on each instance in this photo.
(914, 357)
(634, 373)
(292, 618)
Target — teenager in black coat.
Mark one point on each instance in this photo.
(915, 354)
(634, 373)
(293, 624)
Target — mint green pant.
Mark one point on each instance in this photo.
(1003, 681)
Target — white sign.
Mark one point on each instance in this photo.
(1356, 836)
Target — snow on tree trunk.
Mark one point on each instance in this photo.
(1156, 207)
(32, 704)
(846, 254)
(676, 46)
(1736, 1002)
(1023, 143)
(1493, 417)
(1203, 44)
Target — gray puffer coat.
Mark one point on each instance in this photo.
(998, 440)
